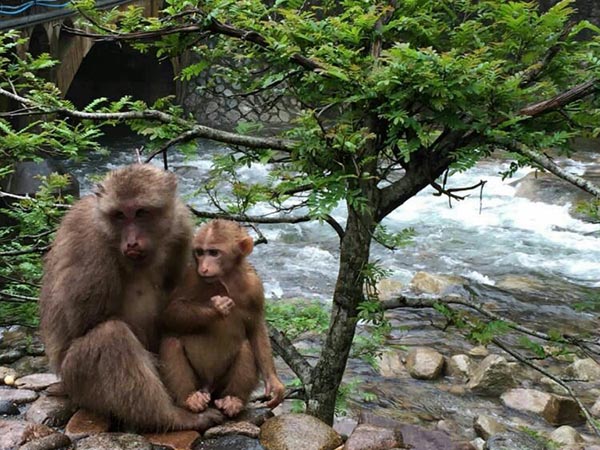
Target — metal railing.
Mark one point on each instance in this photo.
(21, 7)
(59, 11)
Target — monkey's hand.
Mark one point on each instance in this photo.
(274, 388)
(222, 304)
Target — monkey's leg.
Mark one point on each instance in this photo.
(108, 371)
(239, 382)
(179, 376)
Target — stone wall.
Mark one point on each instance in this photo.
(217, 103)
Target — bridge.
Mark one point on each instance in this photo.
(41, 22)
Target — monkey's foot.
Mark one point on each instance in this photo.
(230, 405)
(198, 401)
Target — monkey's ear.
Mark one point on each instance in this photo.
(99, 190)
(246, 246)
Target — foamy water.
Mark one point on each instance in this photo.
(480, 239)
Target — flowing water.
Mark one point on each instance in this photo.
(526, 259)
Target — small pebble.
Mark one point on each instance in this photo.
(9, 380)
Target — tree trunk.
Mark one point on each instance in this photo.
(354, 256)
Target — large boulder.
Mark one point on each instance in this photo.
(371, 437)
(486, 426)
(51, 411)
(556, 409)
(298, 432)
(459, 366)
(434, 284)
(114, 441)
(584, 369)
(424, 363)
(14, 433)
(492, 376)
(566, 436)
(513, 441)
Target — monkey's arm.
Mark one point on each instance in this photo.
(183, 316)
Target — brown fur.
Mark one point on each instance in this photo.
(219, 338)
(100, 300)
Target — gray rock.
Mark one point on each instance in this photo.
(566, 435)
(486, 426)
(11, 355)
(390, 364)
(415, 437)
(18, 396)
(8, 408)
(234, 428)
(114, 441)
(31, 364)
(492, 377)
(459, 366)
(229, 443)
(298, 432)
(595, 409)
(584, 369)
(424, 363)
(371, 437)
(24, 179)
(51, 411)
(14, 433)
(556, 409)
(514, 441)
(36, 381)
(50, 442)
(436, 284)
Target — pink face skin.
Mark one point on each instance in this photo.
(135, 240)
(209, 262)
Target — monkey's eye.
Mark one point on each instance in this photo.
(213, 252)
(118, 215)
(142, 213)
(198, 252)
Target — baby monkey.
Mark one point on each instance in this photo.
(217, 338)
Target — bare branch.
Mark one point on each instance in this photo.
(195, 131)
(284, 348)
(267, 220)
(17, 298)
(564, 98)
(546, 163)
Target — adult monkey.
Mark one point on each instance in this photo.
(116, 256)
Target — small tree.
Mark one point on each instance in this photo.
(395, 95)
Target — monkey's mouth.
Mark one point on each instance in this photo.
(135, 255)
(209, 278)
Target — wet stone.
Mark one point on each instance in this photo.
(424, 363)
(14, 433)
(8, 408)
(176, 440)
(18, 396)
(51, 411)
(370, 437)
(85, 423)
(11, 355)
(229, 443)
(513, 441)
(492, 377)
(36, 381)
(298, 432)
(7, 372)
(52, 441)
(31, 364)
(114, 441)
(234, 428)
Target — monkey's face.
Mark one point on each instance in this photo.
(211, 262)
(138, 231)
